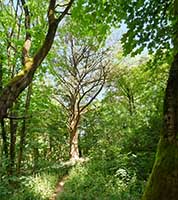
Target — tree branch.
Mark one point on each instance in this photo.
(17, 118)
(65, 12)
(53, 24)
(61, 103)
(24, 77)
(27, 43)
(93, 97)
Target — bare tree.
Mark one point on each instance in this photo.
(80, 72)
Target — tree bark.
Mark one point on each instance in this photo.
(23, 131)
(73, 130)
(24, 78)
(1, 73)
(3, 129)
(74, 149)
(163, 181)
(4, 139)
(12, 150)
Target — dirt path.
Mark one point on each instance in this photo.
(60, 185)
(59, 188)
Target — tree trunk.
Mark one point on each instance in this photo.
(1, 74)
(12, 150)
(73, 130)
(74, 149)
(163, 181)
(23, 131)
(4, 139)
(3, 129)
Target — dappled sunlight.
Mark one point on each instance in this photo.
(87, 90)
(42, 185)
(37, 187)
(87, 180)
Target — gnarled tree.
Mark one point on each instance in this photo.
(80, 73)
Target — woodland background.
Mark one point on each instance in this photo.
(88, 88)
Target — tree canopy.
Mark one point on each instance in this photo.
(66, 93)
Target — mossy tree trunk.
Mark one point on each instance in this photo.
(13, 89)
(163, 181)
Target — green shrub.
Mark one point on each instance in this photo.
(91, 181)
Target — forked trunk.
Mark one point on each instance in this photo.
(163, 181)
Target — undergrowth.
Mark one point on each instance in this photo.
(39, 186)
(88, 182)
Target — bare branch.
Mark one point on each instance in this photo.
(65, 12)
(61, 5)
(17, 118)
(66, 83)
(93, 98)
(60, 102)
(87, 74)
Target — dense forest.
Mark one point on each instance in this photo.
(88, 100)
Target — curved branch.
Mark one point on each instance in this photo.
(53, 24)
(24, 78)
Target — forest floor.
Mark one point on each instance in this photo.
(59, 187)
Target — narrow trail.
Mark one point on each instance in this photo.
(59, 188)
(60, 184)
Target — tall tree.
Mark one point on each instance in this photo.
(80, 72)
(153, 25)
(30, 63)
(161, 33)
(163, 181)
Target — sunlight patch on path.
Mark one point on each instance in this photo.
(59, 188)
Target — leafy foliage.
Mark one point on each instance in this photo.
(90, 182)
(118, 133)
(120, 145)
